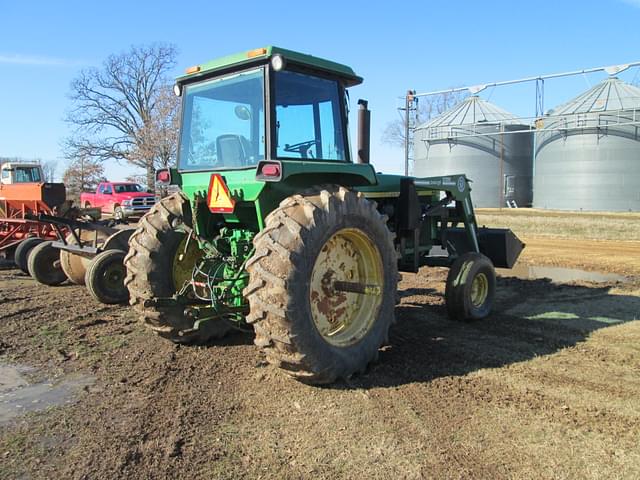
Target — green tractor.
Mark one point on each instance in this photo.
(277, 226)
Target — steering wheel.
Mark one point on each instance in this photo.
(301, 148)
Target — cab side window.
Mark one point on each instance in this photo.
(308, 117)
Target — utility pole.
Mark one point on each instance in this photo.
(407, 112)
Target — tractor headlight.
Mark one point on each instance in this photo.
(278, 62)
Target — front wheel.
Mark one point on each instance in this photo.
(322, 284)
(471, 287)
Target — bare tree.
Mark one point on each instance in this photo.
(427, 108)
(82, 174)
(123, 111)
(158, 138)
(49, 169)
(136, 178)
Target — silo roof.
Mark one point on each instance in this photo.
(471, 110)
(611, 94)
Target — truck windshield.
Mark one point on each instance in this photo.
(223, 123)
(28, 175)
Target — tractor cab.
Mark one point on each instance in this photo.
(265, 104)
(12, 173)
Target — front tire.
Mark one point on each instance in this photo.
(471, 287)
(158, 263)
(314, 246)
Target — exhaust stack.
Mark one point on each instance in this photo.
(364, 131)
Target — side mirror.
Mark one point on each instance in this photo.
(242, 112)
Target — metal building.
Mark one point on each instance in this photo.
(475, 138)
(588, 151)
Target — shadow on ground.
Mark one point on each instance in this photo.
(531, 318)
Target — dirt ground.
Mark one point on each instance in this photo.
(547, 387)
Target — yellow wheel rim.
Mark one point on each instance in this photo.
(187, 254)
(346, 287)
(479, 289)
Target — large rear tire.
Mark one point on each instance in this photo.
(158, 263)
(44, 264)
(21, 255)
(315, 251)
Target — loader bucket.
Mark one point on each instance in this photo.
(501, 245)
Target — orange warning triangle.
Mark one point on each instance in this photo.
(219, 199)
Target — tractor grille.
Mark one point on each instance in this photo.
(143, 202)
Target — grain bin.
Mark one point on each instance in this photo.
(588, 151)
(485, 142)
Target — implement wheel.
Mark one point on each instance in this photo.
(44, 264)
(322, 284)
(105, 277)
(74, 265)
(160, 260)
(21, 255)
(471, 287)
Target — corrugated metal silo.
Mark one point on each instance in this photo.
(588, 151)
(474, 138)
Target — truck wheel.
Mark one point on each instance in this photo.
(105, 277)
(323, 284)
(21, 255)
(118, 213)
(471, 287)
(44, 264)
(160, 260)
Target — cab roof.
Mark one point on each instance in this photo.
(262, 55)
(16, 164)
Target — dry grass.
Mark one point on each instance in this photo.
(558, 224)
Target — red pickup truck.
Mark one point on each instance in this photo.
(121, 199)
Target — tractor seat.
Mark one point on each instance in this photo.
(233, 150)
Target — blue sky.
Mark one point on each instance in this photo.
(423, 45)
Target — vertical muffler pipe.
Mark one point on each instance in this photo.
(364, 131)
